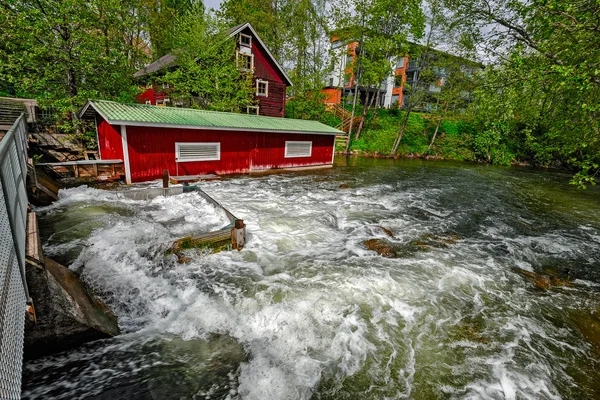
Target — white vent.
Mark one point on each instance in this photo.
(197, 151)
(298, 149)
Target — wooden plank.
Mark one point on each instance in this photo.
(34, 253)
(82, 162)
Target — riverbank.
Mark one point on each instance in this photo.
(459, 138)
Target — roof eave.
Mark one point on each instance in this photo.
(90, 103)
(214, 128)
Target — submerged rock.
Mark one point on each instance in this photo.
(344, 186)
(428, 242)
(589, 326)
(67, 313)
(544, 281)
(443, 240)
(386, 231)
(380, 246)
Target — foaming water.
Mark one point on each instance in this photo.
(306, 311)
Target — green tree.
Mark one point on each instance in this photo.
(160, 18)
(382, 29)
(264, 16)
(207, 75)
(65, 52)
(549, 53)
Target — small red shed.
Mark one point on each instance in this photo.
(150, 139)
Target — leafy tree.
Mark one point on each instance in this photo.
(426, 75)
(65, 52)
(160, 17)
(453, 91)
(382, 29)
(206, 74)
(549, 52)
(264, 16)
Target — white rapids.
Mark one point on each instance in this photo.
(316, 314)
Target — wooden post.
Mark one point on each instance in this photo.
(165, 179)
(165, 182)
(238, 235)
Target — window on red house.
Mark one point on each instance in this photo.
(262, 88)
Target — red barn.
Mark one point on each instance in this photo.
(150, 139)
(270, 80)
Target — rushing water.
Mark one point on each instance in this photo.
(306, 311)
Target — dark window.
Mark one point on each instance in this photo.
(398, 81)
(262, 88)
(245, 40)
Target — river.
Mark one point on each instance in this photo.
(305, 311)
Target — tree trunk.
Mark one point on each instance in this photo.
(377, 100)
(437, 127)
(356, 95)
(364, 114)
(401, 133)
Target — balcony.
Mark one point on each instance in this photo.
(412, 66)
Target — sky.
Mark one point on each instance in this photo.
(212, 4)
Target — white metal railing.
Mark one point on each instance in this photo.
(14, 294)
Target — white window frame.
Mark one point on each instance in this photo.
(148, 102)
(178, 144)
(165, 86)
(245, 36)
(288, 142)
(266, 94)
(237, 59)
(255, 109)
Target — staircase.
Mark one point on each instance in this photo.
(57, 146)
(9, 112)
(344, 115)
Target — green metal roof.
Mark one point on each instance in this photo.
(148, 115)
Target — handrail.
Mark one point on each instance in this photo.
(13, 175)
(14, 294)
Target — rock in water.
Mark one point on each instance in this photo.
(381, 247)
(386, 231)
(67, 314)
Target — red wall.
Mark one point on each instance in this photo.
(332, 95)
(274, 104)
(152, 150)
(109, 140)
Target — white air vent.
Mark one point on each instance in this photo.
(298, 149)
(197, 151)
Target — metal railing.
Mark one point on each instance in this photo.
(13, 231)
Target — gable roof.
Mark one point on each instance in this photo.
(170, 117)
(159, 64)
(170, 58)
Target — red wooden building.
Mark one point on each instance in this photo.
(150, 139)
(269, 79)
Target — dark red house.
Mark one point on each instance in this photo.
(150, 139)
(270, 81)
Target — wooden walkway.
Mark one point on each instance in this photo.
(101, 169)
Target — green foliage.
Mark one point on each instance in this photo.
(63, 53)
(162, 18)
(309, 105)
(545, 92)
(207, 76)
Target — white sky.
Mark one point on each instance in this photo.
(212, 4)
